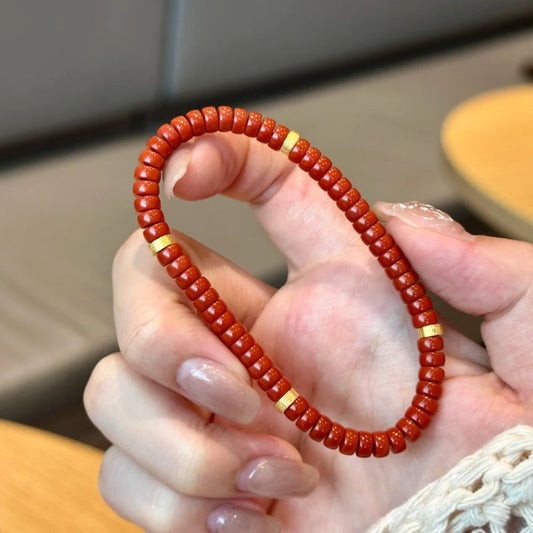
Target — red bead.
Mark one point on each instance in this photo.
(279, 388)
(381, 444)
(430, 344)
(380, 247)
(157, 230)
(308, 419)
(215, 310)
(365, 221)
(427, 404)
(143, 172)
(266, 130)
(408, 428)
(240, 118)
(405, 280)
(160, 146)
(222, 323)
(168, 254)
(151, 159)
(426, 318)
(242, 344)
(209, 297)
(429, 388)
(390, 256)
(197, 122)
(185, 279)
(350, 197)
(178, 265)
(197, 288)
(298, 150)
(396, 440)
(170, 135)
(297, 408)
(373, 233)
(321, 428)
(337, 190)
(431, 373)
(365, 445)
(210, 117)
(349, 442)
(420, 305)
(334, 437)
(145, 203)
(183, 127)
(419, 417)
(357, 210)
(310, 158)
(225, 118)
(145, 188)
(253, 125)
(278, 137)
(148, 218)
(322, 165)
(272, 376)
(432, 358)
(413, 292)
(398, 268)
(234, 332)
(260, 367)
(251, 355)
(332, 176)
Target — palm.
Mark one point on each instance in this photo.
(341, 334)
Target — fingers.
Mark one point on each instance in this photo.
(299, 217)
(159, 431)
(478, 275)
(158, 331)
(139, 497)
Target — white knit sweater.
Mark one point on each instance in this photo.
(490, 491)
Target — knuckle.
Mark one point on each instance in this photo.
(99, 384)
(127, 250)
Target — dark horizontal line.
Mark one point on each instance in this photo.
(148, 118)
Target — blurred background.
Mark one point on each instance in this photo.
(84, 84)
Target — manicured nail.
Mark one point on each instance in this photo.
(175, 170)
(421, 215)
(276, 477)
(213, 386)
(232, 519)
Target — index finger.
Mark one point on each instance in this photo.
(157, 328)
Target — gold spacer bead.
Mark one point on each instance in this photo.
(161, 243)
(430, 331)
(289, 142)
(286, 400)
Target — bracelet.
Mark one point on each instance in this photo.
(233, 334)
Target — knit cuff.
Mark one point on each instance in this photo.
(491, 490)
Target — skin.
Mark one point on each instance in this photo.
(339, 332)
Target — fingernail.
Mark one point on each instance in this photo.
(175, 170)
(276, 477)
(232, 519)
(213, 386)
(419, 215)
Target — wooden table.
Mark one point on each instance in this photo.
(48, 484)
(489, 142)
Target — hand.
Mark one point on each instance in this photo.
(195, 444)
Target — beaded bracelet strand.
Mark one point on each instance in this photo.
(233, 334)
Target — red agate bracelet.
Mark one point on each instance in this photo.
(233, 334)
